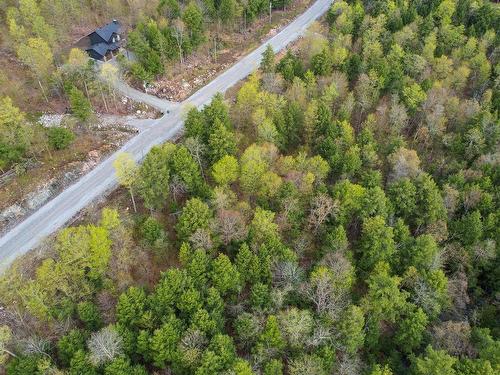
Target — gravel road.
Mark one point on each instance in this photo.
(56, 213)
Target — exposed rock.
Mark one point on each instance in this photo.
(12, 213)
(51, 120)
(38, 197)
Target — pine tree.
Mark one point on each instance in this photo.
(267, 62)
(80, 105)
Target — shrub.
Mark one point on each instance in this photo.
(89, 314)
(60, 138)
(152, 233)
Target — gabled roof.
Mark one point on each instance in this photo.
(103, 48)
(107, 31)
(100, 48)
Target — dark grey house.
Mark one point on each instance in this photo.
(103, 42)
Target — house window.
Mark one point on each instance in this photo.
(114, 40)
(118, 37)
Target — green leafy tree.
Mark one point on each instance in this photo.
(468, 366)
(154, 177)
(242, 367)
(226, 170)
(193, 19)
(60, 138)
(413, 96)
(81, 365)
(263, 227)
(267, 62)
(37, 55)
(82, 258)
(434, 362)
(271, 337)
(122, 366)
(227, 11)
(131, 307)
(127, 172)
(69, 344)
(351, 328)
(224, 275)
(377, 242)
(247, 328)
(322, 63)
(90, 315)
(248, 265)
(260, 296)
(15, 133)
(164, 343)
(221, 142)
(273, 367)
(411, 329)
(217, 109)
(430, 207)
(195, 124)
(402, 194)
(153, 233)
(186, 170)
(384, 299)
(168, 291)
(381, 370)
(80, 105)
(195, 215)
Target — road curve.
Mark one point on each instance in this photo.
(57, 212)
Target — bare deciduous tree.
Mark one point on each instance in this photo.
(485, 250)
(222, 198)
(404, 163)
(201, 239)
(457, 289)
(321, 335)
(321, 208)
(287, 275)
(454, 337)
(198, 151)
(230, 225)
(398, 117)
(350, 365)
(272, 82)
(179, 30)
(325, 296)
(35, 346)
(177, 187)
(104, 345)
(192, 345)
(340, 266)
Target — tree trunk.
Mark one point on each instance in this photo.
(86, 89)
(9, 353)
(133, 200)
(180, 54)
(43, 92)
(104, 100)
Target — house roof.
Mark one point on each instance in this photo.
(103, 48)
(107, 31)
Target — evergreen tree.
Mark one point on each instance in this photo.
(267, 62)
(80, 105)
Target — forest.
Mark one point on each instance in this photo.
(43, 71)
(338, 214)
(180, 27)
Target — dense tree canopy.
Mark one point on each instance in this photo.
(339, 216)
